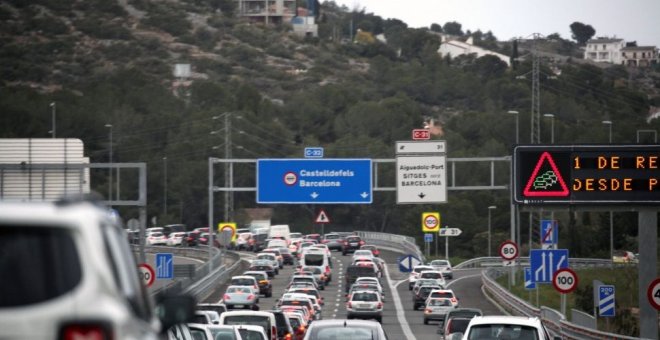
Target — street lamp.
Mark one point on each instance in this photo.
(165, 186)
(52, 111)
(517, 122)
(489, 233)
(552, 126)
(110, 180)
(609, 125)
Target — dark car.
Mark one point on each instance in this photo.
(355, 271)
(351, 244)
(333, 241)
(458, 312)
(287, 257)
(284, 329)
(265, 286)
(315, 237)
(263, 266)
(191, 239)
(259, 242)
(338, 329)
(419, 297)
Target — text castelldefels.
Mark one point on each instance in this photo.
(323, 173)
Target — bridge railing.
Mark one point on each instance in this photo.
(406, 243)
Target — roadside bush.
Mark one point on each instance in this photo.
(48, 25)
(171, 21)
(101, 29)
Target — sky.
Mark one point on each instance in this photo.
(631, 20)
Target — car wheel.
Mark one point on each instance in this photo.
(426, 321)
(229, 306)
(414, 306)
(343, 253)
(269, 293)
(379, 319)
(322, 287)
(410, 287)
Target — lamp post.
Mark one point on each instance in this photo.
(609, 125)
(552, 126)
(109, 126)
(165, 186)
(489, 233)
(52, 112)
(517, 123)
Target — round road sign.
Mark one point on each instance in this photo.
(565, 280)
(225, 237)
(653, 293)
(508, 250)
(147, 274)
(431, 222)
(290, 178)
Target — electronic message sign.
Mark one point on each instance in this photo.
(586, 174)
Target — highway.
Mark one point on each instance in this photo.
(407, 324)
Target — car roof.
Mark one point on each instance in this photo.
(506, 319)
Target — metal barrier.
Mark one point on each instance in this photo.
(398, 241)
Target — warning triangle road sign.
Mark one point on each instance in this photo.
(546, 180)
(322, 217)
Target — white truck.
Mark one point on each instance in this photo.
(280, 231)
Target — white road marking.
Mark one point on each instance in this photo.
(461, 278)
(400, 313)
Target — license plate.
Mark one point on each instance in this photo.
(354, 243)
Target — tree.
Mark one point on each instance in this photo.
(453, 28)
(581, 32)
(436, 28)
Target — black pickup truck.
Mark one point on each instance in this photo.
(354, 271)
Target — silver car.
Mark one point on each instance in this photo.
(436, 308)
(241, 296)
(365, 305)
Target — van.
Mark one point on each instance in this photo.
(280, 231)
(315, 258)
(263, 319)
(277, 243)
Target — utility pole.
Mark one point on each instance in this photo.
(536, 94)
(227, 156)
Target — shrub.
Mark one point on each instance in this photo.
(48, 25)
(101, 29)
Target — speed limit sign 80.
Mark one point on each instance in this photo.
(509, 250)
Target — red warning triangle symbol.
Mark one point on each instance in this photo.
(322, 217)
(550, 183)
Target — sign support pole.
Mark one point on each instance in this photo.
(446, 248)
(437, 240)
(647, 270)
(563, 304)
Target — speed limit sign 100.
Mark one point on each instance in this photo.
(509, 250)
(565, 280)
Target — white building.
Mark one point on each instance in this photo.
(605, 50)
(454, 48)
(639, 56)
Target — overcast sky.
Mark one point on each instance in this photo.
(632, 20)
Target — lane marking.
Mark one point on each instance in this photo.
(400, 313)
(461, 278)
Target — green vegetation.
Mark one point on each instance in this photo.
(103, 62)
(624, 278)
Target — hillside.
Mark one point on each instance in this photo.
(112, 62)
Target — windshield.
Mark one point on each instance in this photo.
(256, 320)
(431, 275)
(341, 332)
(314, 259)
(365, 297)
(502, 331)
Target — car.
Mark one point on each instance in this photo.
(82, 280)
(305, 278)
(420, 295)
(436, 308)
(624, 256)
(370, 264)
(251, 332)
(351, 244)
(179, 332)
(414, 274)
(315, 237)
(284, 329)
(373, 248)
(245, 280)
(259, 242)
(278, 255)
(156, 238)
(241, 296)
(435, 275)
(506, 327)
(443, 266)
(265, 266)
(444, 294)
(216, 307)
(191, 239)
(262, 319)
(345, 329)
(424, 282)
(372, 287)
(364, 253)
(298, 324)
(365, 304)
(203, 239)
(287, 257)
(173, 228)
(309, 291)
(458, 312)
(297, 301)
(333, 241)
(317, 272)
(265, 286)
(272, 258)
(206, 317)
(214, 332)
(243, 241)
(455, 327)
(355, 271)
(372, 280)
(175, 238)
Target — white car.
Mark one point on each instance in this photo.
(444, 266)
(433, 274)
(243, 241)
(175, 239)
(156, 238)
(363, 253)
(443, 294)
(414, 274)
(506, 327)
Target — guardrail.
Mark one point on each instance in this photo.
(554, 321)
(204, 277)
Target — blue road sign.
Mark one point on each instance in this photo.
(314, 152)
(407, 262)
(164, 266)
(606, 300)
(549, 232)
(296, 181)
(545, 262)
(529, 284)
(428, 237)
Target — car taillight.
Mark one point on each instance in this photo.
(327, 269)
(92, 331)
(301, 329)
(273, 332)
(361, 243)
(427, 310)
(348, 305)
(453, 300)
(226, 297)
(380, 305)
(345, 243)
(250, 297)
(288, 336)
(263, 282)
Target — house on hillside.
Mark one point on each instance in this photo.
(267, 11)
(604, 50)
(639, 56)
(454, 48)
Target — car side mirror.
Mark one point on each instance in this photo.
(174, 309)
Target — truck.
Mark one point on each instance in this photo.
(258, 224)
(280, 231)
